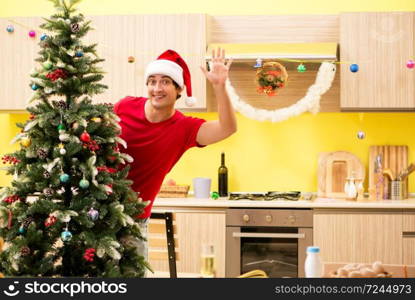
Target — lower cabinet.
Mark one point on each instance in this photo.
(364, 236)
(194, 229)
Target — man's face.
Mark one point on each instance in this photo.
(161, 91)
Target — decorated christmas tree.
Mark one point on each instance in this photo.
(70, 210)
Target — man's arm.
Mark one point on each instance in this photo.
(214, 131)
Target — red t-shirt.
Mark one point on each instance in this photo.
(155, 147)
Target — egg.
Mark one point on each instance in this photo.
(367, 272)
(377, 267)
(342, 272)
(355, 274)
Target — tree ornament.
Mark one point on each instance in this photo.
(66, 235)
(48, 192)
(34, 87)
(64, 178)
(354, 68)
(51, 220)
(32, 33)
(84, 184)
(131, 59)
(43, 37)
(61, 104)
(85, 137)
(410, 64)
(301, 68)
(26, 142)
(61, 127)
(47, 65)
(93, 214)
(79, 54)
(89, 254)
(75, 27)
(25, 251)
(10, 29)
(96, 120)
(74, 190)
(22, 230)
(11, 199)
(62, 151)
(46, 174)
(42, 153)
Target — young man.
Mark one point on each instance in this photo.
(157, 135)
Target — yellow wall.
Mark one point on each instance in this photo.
(260, 156)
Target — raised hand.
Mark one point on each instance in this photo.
(219, 68)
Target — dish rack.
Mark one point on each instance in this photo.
(173, 191)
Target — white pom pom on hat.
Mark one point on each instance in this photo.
(171, 64)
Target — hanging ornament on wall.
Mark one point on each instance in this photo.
(32, 33)
(93, 214)
(301, 68)
(131, 59)
(271, 77)
(85, 137)
(84, 184)
(410, 64)
(361, 135)
(258, 63)
(10, 28)
(354, 68)
(43, 37)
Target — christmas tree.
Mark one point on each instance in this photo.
(70, 210)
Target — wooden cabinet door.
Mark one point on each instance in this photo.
(408, 236)
(195, 229)
(381, 44)
(358, 236)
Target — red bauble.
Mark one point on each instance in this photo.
(85, 137)
(50, 221)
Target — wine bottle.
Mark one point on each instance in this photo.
(223, 178)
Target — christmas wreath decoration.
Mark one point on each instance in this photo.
(271, 77)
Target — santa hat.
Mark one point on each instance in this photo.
(171, 64)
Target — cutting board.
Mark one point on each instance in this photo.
(333, 169)
(394, 158)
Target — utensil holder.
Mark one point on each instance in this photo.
(398, 190)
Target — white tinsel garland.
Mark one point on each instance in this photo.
(310, 102)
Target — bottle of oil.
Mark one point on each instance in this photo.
(223, 178)
(207, 262)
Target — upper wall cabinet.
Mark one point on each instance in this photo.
(143, 37)
(380, 44)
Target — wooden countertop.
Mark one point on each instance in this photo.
(222, 203)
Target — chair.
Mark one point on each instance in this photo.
(161, 241)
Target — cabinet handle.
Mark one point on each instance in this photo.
(269, 235)
(408, 234)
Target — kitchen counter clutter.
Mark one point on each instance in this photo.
(162, 203)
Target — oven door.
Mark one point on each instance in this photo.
(278, 251)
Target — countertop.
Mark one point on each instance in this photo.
(222, 203)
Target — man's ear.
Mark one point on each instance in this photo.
(179, 91)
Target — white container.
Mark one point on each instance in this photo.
(201, 187)
(313, 265)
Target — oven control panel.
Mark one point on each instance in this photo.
(270, 217)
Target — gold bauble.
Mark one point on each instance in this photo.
(26, 142)
(96, 119)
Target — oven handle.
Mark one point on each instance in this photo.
(268, 235)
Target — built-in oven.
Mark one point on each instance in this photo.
(272, 240)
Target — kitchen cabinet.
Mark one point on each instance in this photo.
(408, 236)
(194, 229)
(362, 236)
(381, 44)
